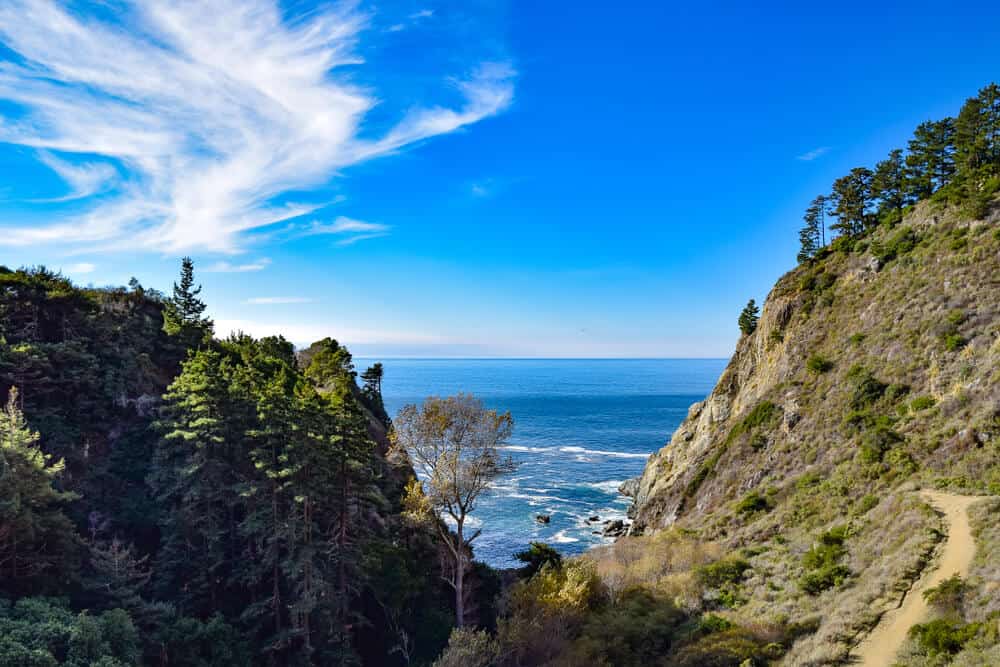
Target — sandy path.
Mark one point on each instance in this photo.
(880, 647)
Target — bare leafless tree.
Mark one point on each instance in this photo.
(454, 444)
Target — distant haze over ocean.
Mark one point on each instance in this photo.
(582, 426)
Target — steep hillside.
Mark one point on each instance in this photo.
(883, 359)
(874, 370)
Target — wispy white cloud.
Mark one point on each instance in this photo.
(277, 300)
(813, 154)
(228, 267)
(84, 179)
(215, 110)
(349, 229)
(80, 268)
(422, 14)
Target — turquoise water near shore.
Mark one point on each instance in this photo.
(582, 426)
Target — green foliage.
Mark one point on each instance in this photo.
(878, 440)
(851, 200)
(822, 562)
(812, 236)
(639, 630)
(749, 318)
(949, 595)
(468, 647)
(865, 388)
(43, 632)
(38, 546)
(724, 572)
(537, 556)
(897, 245)
(943, 636)
(922, 403)
(183, 313)
(752, 503)
(818, 364)
(210, 643)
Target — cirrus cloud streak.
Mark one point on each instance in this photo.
(211, 112)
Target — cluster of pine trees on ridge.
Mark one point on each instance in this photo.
(950, 161)
(167, 498)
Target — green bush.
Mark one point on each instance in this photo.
(943, 636)
(723, 572)
(922, 403)
(866, 388)
(752, 503)
(537, 556)
(818, 364)
(856, 339)
(877, 441)
(900, 243)
(822, 562)
(949, 595)
(953, 342)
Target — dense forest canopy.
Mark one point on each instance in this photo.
(197, 501)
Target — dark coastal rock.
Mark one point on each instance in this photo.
(616, 528)
(594, 518)
(543, 518)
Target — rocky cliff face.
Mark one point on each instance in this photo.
(881, 360)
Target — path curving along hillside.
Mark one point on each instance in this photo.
(879, 648)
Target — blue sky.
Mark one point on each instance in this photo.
(459, 178)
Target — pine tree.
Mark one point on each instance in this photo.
(194, 480)
(930, 163)
(977, 137)
(749, 318)
(811, 235)
(183, 312)
(38, 546)
(850, 202)
(888, 186)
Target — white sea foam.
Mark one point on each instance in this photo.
(601, 452)
(562, 538)
(610, 486)
(525, 448)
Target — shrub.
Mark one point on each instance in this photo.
(877, 441)
(822, 562)
(866, 388)
(900, 243)
(942, 636)
(949, 595)
(537, 556)
(469, 648)
(723, 572)
(817, 364)
(896, 391)
(953, 342)
(922, 403)
(856, 339)
(752, 503)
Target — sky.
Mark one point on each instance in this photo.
(464, 178)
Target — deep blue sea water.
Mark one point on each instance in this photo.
(581, 427)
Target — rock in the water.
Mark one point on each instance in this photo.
(543, 518)
(616, 528)
(594, 518)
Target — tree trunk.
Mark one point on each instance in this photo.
(460, 578)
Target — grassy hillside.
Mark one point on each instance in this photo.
(875, 370)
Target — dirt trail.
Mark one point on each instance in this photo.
(880, 647)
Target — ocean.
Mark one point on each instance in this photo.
(581, 427)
